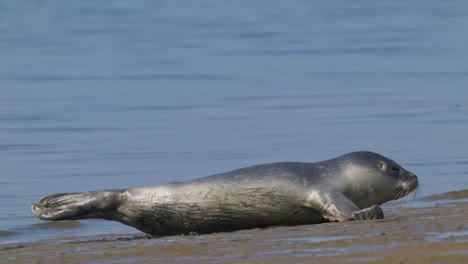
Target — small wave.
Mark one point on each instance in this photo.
(454, 195)
(58, 225)
(4, 233)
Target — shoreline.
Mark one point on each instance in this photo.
(435, 232)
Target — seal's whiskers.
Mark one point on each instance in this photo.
(401, 207)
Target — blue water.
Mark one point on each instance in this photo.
(114, 94)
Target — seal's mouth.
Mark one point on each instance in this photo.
(407, 187)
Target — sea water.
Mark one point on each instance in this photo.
(117, 94)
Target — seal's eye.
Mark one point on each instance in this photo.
(395, 169)
(382, 165)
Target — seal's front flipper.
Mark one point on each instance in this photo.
(73, 206)
(333, 205)
(370, 213)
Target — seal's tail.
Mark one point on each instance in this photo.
(73, 206)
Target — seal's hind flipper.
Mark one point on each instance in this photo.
(73, 206)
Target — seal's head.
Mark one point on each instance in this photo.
(370, 178)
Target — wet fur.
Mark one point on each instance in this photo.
(349, 187)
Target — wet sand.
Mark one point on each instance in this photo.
(432, 231)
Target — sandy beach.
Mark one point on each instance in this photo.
(432, 231)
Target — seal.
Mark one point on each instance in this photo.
(349, 187)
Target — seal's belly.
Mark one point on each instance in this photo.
(218, 208)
